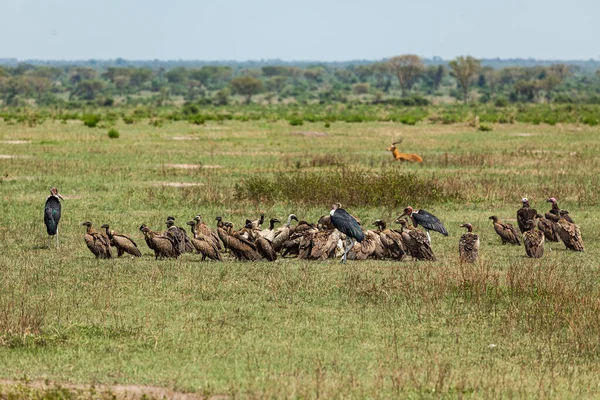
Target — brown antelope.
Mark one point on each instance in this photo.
(403, 156)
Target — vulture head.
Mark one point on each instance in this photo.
(468, 226)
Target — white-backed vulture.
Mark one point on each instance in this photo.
(533, 239)
(98, 243)
(506, 231)
(468, 245)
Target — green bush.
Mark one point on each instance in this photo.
(295, 121)
(90, 120)
(485, 127)
(113, 133)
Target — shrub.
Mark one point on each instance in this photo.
(295, 121)
(90, 120)
(485, 127)
(501, 101)
(354, 187)
(113, 133)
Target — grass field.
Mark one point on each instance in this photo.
(508, 326)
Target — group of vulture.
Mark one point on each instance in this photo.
(338, 234)
(554, 226)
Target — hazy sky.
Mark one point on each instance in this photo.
(298, 30)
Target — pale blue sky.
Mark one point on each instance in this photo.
(298, 30)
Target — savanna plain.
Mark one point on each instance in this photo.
(506, 326)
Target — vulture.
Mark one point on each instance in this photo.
(204, 229)
(468, 245)
(391, 241)
(98, 243)
(533, 239)
(257, 222)
(163, 246)
(370, 247)
(282, 234)
(548, 228)
(264, 246)
(178, 237)
(416, 242)
(425, 219)
(242, 249)
(269, 233)
(52, 214)
(204, 245)
(555, 210)
(348, 225)
(525, 214)
(123, 243)
(569, 233)
(506, 231)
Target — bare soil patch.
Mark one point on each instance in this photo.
(15, 141)
(525, 134)
(132, 392)
(310, 134)
(177, 184)
(184, 138)
(192, 166)
(9, 156)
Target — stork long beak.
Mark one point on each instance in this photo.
(60, 196)
(400, 217)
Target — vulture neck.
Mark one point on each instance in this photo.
(382, 226)
(272, 225)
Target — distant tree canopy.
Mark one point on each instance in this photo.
(167, 83)
(408, 68)
(246, 86)
(464, 69)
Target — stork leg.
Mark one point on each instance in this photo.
(57, 237)
(346, 248)
(428, 237)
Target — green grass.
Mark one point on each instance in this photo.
(505, 327)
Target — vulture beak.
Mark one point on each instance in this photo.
(191, 223)
(276, 220)
(104, 226)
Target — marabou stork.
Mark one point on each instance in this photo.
(348, 225)
(52, 214)
(425, 219)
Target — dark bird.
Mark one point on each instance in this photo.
(555, 210)
(533, 239)
(416, 241)
(468, 245)
(569, 233)
(203, 244)
(269, 233)
(425, 219)
(123, 243)
(52, 214)
(163, 246)
(240, 248)
(391, 241)
(283, 234)
(548, 228)
(525, 214)
(98, 243)
(507, 232)
(178, 236)
(346, 224)
(257, 222)
(204, 229)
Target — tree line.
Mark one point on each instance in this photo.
(405, 79)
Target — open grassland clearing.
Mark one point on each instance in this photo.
(506, 326)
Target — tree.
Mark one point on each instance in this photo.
(276, 83)
(435, 74)
(408, 68)
(246, 86)
(88, 89)
(464, 69)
